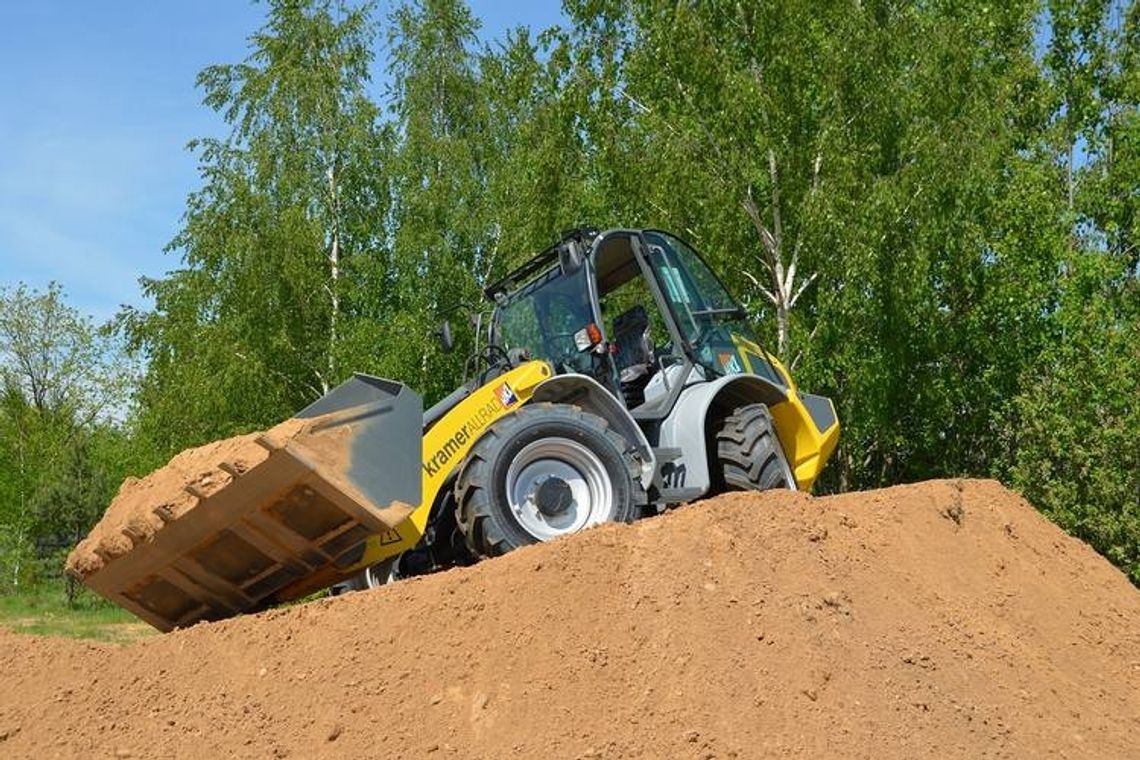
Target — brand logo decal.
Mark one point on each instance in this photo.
(673, 475)
(731, 363)
(457, 443)
(506, 395)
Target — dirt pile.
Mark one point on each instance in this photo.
(945, 619)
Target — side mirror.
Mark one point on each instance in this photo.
(443, 333)
(570, 256)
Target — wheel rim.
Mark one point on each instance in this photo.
(592, 494)
(381, 574)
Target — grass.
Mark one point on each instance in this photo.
(46, 613)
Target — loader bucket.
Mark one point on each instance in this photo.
(293, 509)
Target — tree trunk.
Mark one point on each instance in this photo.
(1069, 180)
(334, 284)
(783, 315)
(23, 497)
(781, 290)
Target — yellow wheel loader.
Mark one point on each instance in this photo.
(616, 377)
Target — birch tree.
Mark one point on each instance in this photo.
(783, 290)
(293, 204)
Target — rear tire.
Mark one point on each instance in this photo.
(748, 452)
(545, 471)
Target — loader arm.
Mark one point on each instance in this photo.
(444, 447)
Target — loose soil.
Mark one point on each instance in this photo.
(144, 505)
(944, 619)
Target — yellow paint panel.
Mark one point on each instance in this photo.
(447, 444)
(806, 447)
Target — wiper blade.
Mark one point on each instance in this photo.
(734, 311)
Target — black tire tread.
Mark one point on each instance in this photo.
(475, 512)
(748, 453)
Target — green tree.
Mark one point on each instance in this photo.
(1108, 199)
(283, 247)
(537, 168)
(63, 394)
(444, 249)
(1073, 427)
(1076, 447)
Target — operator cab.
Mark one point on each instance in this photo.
(639, 312)
(639, 339)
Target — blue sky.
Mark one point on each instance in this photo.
(98, 105)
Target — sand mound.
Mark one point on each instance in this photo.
(945, 619)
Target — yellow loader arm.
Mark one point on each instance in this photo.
(446, 445)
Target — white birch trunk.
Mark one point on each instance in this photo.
(334, 285)
(781, 289)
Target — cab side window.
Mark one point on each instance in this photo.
(619, 307)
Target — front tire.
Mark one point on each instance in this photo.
(545, 471)
(748, 452)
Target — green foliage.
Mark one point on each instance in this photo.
(1076, 449)
(442, 247)
(279, 244)
(86, 617)
(63, 448)
(931, 211)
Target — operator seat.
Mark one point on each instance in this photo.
(633, 354)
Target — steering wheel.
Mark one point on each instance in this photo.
(487, 354)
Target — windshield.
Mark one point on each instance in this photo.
(543, 317)
(694, 292)
(707, 315)
(699, 301)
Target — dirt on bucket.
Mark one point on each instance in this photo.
(144, 505)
